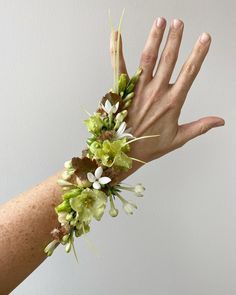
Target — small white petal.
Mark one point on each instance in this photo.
(104, 180)
(108, 106)
(67, 164)
(129, 207)
(91, 177)
(116, 106)
(139, 188)
(98, 172)
(125, 135)
(121, 129)
(103, 107)
(62, 218)
(96, 185)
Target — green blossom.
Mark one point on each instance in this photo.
(90, 203)
(94, 123)
(112, 153)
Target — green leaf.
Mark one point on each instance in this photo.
(94, 123)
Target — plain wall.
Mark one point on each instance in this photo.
(54, 60)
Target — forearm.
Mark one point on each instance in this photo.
(26, 222)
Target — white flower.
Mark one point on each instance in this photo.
(139, 189)
(109, 108)
(62, 218)
(96, 178)
(127, 206)
(122, 131)
(51, 247)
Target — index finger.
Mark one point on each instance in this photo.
(113, 48)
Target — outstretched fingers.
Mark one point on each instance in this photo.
(113, 50)
(151, 48)
(169, 55)
(188, 131)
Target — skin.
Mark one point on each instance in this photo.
(27, 220)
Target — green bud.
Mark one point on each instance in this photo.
(122, 83)
(64, 206)
(69, 217)
(68, 247)
(71, 194)
(63, 182)
(65, 238)
(113, 212)
(133, 81)
(51, 247)
(129, 96)
(67, 174)
(68, 164)
(90, 141)
(127, 104)
(73, 222)
(130, 87)
(120, 118)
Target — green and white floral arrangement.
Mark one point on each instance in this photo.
(89, 182)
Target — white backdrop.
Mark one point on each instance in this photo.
(54, 60)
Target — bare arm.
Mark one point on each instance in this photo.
(26, 222)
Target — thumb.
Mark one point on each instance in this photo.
(193, 129)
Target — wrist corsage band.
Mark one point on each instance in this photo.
(88, 182)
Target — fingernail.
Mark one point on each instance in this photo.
(160, 22)
(220, 123)
(176, 23)
(205, 38)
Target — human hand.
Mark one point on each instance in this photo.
(157, 104)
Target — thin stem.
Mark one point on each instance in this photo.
(120, 197)
(118, 50)
(113, 48)
(89, 243)
(138, 160)
(74, 251)
(126, 188)
(141, 137)
(112, 202)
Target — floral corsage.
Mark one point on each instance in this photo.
(89, 182)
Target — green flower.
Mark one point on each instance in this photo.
(112, 153)
(81, 229)
(90, 203)
(94, 123)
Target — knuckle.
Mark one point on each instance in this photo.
(148, 58)
(174, 34)
(169, 57)
(202, 129)
(191, 68)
